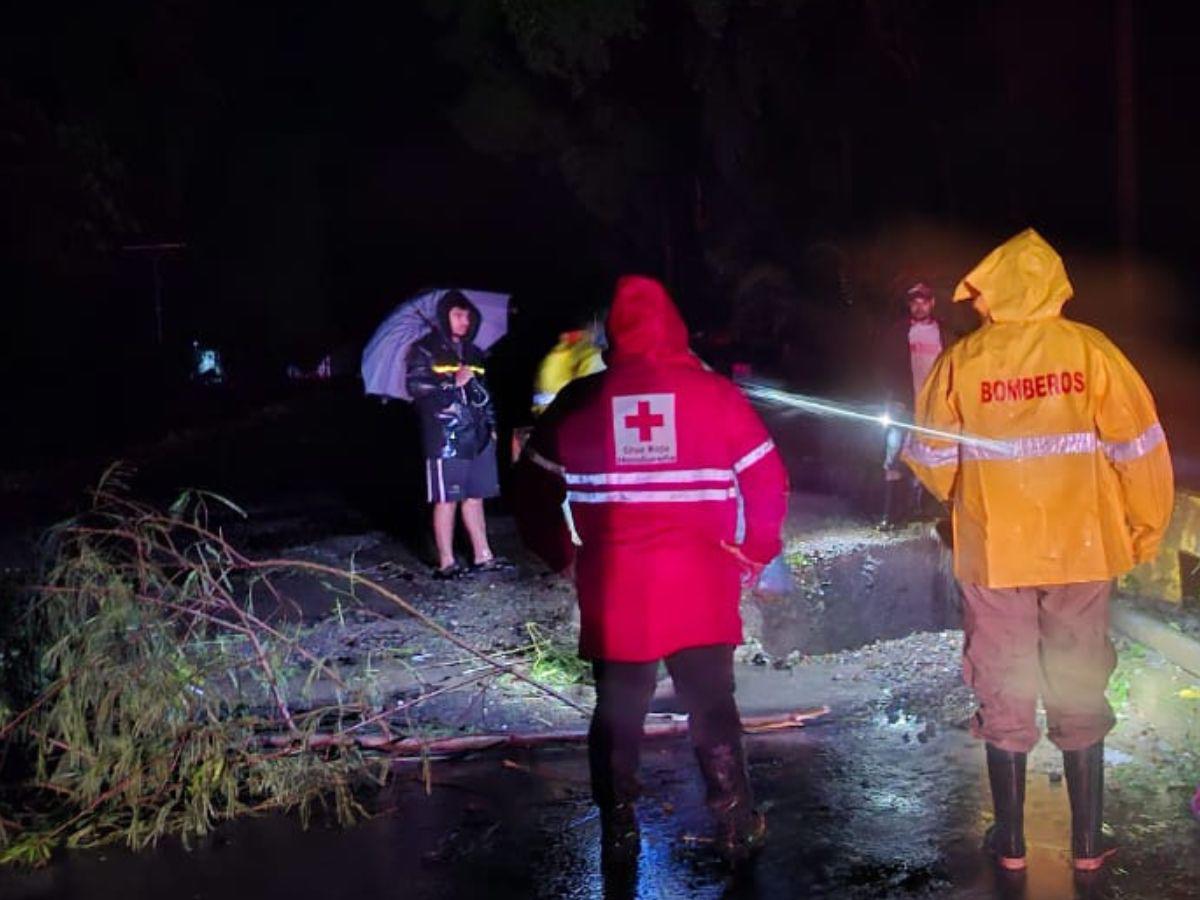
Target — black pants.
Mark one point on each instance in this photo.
(703, 678)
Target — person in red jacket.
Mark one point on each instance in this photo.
(654, 457)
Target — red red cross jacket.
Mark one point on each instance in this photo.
(653, 457)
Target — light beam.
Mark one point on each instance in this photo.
(822, 407)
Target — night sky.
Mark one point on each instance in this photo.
(322, 161)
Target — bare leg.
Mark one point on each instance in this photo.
(443, 532)
(472, 513)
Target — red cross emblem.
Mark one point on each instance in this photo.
(643, 428)
(644, 421)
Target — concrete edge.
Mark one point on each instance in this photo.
(1145, 629)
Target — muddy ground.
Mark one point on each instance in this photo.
(885, 796)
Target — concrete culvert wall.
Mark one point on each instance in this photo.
(854, 586)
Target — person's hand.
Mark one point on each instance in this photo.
(750, 569)
(1144, 550)
(463, 375)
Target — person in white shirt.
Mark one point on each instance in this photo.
(907, 354)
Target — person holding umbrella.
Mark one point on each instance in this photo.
(445, 377)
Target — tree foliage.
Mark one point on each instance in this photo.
(713, 136)
(571, 39)
(147, 696)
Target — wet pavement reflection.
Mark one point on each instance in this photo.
(857, 810)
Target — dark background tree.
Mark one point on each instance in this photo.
(780, 163)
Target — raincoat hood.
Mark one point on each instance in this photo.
(456, 299)
(1021, 280)
(644, 322)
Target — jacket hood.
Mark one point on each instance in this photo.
(1022, 280)
(453, 299)
(644, 322)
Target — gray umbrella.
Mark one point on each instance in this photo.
(385, 358)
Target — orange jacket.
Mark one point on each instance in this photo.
(1060, 471)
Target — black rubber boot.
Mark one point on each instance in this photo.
(616, 797)
(1005, 840)
(613, 762)
(619, 833)
(741, 829)
(619, 872)
(1085, 786)
(620, 847)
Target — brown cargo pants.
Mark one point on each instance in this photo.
(1051, 640)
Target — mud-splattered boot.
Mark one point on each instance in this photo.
(1005, 840)
(741, 829)
(1084, 769)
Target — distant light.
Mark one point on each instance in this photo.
(207, 367)
(885, 420)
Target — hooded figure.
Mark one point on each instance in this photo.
(458, 431)
(653, 455)
(456, 422)
(1060, 482)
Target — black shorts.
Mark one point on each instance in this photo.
(452, 480)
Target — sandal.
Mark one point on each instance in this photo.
(495, 564)
(452, 572)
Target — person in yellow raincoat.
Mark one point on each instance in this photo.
(576, 354)
(579, 352)
(1059, 480)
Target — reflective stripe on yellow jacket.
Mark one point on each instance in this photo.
(1062, 472)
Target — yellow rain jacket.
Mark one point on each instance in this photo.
(1062, 472)
(574, 356)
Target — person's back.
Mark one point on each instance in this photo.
(1043, 403)
(653, 450)
(1058, 413)
(652, 457)
(1060, 480)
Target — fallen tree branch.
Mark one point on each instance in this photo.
(422, 748)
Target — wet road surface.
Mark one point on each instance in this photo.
(859, 808)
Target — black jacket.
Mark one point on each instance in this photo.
(456, 422)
